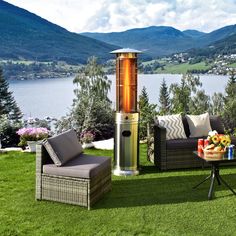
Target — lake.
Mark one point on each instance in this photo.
(54, 97)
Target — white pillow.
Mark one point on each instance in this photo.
(199, 125)
(174, 126)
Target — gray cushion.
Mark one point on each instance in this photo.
(199, 125)
(217, 124)
(63, 147)
(84, 166)
(190, 143)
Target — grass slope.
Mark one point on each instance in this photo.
(182, 68)
(233, 65)
(153, 203)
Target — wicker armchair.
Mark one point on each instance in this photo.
(81, 181)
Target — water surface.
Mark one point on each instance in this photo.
(54, 97)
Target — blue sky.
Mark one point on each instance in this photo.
(119, 15)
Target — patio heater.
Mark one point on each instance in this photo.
(126, 141)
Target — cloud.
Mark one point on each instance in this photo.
(122, 15)
(182, 14)
(113, 15)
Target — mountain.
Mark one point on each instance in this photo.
(155, 40)
(193, 33)
(223, 46)
(216, 35)
(24, 35)
(163, 40)
(226, 44)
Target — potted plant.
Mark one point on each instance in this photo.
(30, 136)
(86, 137)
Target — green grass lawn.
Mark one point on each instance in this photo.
(153, 203)
(182, 68)
(233, 65)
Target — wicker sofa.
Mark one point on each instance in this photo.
(177, 153)
(65, 174)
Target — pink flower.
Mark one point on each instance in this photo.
(87, 136)
(33, 134)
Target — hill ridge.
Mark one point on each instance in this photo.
(24, 35)
(163, 40)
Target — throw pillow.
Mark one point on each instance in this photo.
(173, 125)
(217, 124)
(199, 125)
(63, 147)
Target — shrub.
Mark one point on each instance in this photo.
(87, 136)
(8, 129)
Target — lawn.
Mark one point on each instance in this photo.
(153, 203)
(233, 65)
(182, 68)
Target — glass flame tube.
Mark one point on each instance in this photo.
(126, 80)
(126, 86)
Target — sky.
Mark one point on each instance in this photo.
(119, 15)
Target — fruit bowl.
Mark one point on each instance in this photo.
(214, 154)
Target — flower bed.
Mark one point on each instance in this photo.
(32, 134)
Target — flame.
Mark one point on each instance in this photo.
(126, 88)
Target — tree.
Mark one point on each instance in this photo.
(8, 104)
(199, 103)
(8, 135)
(229, 113)
(143, 98)
(63, 124)
(164, 99)
(181, 93)
(147, 113)
(231, 87)
(91, 109)
(10, 115)
(217, 104)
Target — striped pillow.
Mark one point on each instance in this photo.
(174, 126)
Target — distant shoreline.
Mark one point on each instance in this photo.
(34, 70)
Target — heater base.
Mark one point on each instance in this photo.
(119, 172)
(126, 148)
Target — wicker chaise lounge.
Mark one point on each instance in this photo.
(65, 174)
